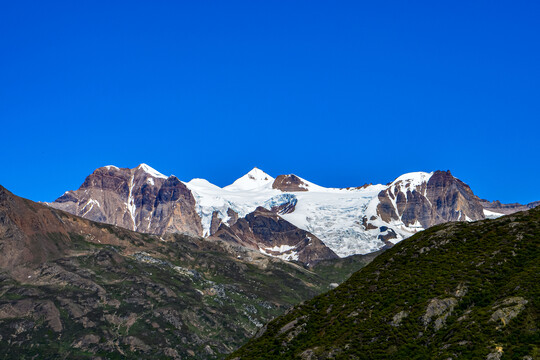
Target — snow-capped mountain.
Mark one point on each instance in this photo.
(256, 179)
(333, 215)
(140, 199)
(349, 221)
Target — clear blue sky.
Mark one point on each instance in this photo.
(338, 92)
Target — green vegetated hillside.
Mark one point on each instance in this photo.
(454, 291)
(73, 288)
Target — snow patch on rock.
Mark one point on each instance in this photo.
(151, 171)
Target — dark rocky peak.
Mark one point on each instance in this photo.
(290, 182)
(267, 232)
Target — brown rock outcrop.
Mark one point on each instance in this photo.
(289, 183)
(267, 232)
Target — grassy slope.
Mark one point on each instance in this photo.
(482, 267)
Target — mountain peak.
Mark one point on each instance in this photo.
(258, 174)
(254, 179)
(151, 171)
(416, 178)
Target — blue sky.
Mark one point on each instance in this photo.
(340, 93)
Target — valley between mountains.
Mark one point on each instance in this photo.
(137, 264)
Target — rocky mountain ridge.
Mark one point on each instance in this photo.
(507, 209)
(354, 220)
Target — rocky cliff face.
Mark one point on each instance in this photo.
(139, 199)
(267, 232)
(427, 200)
